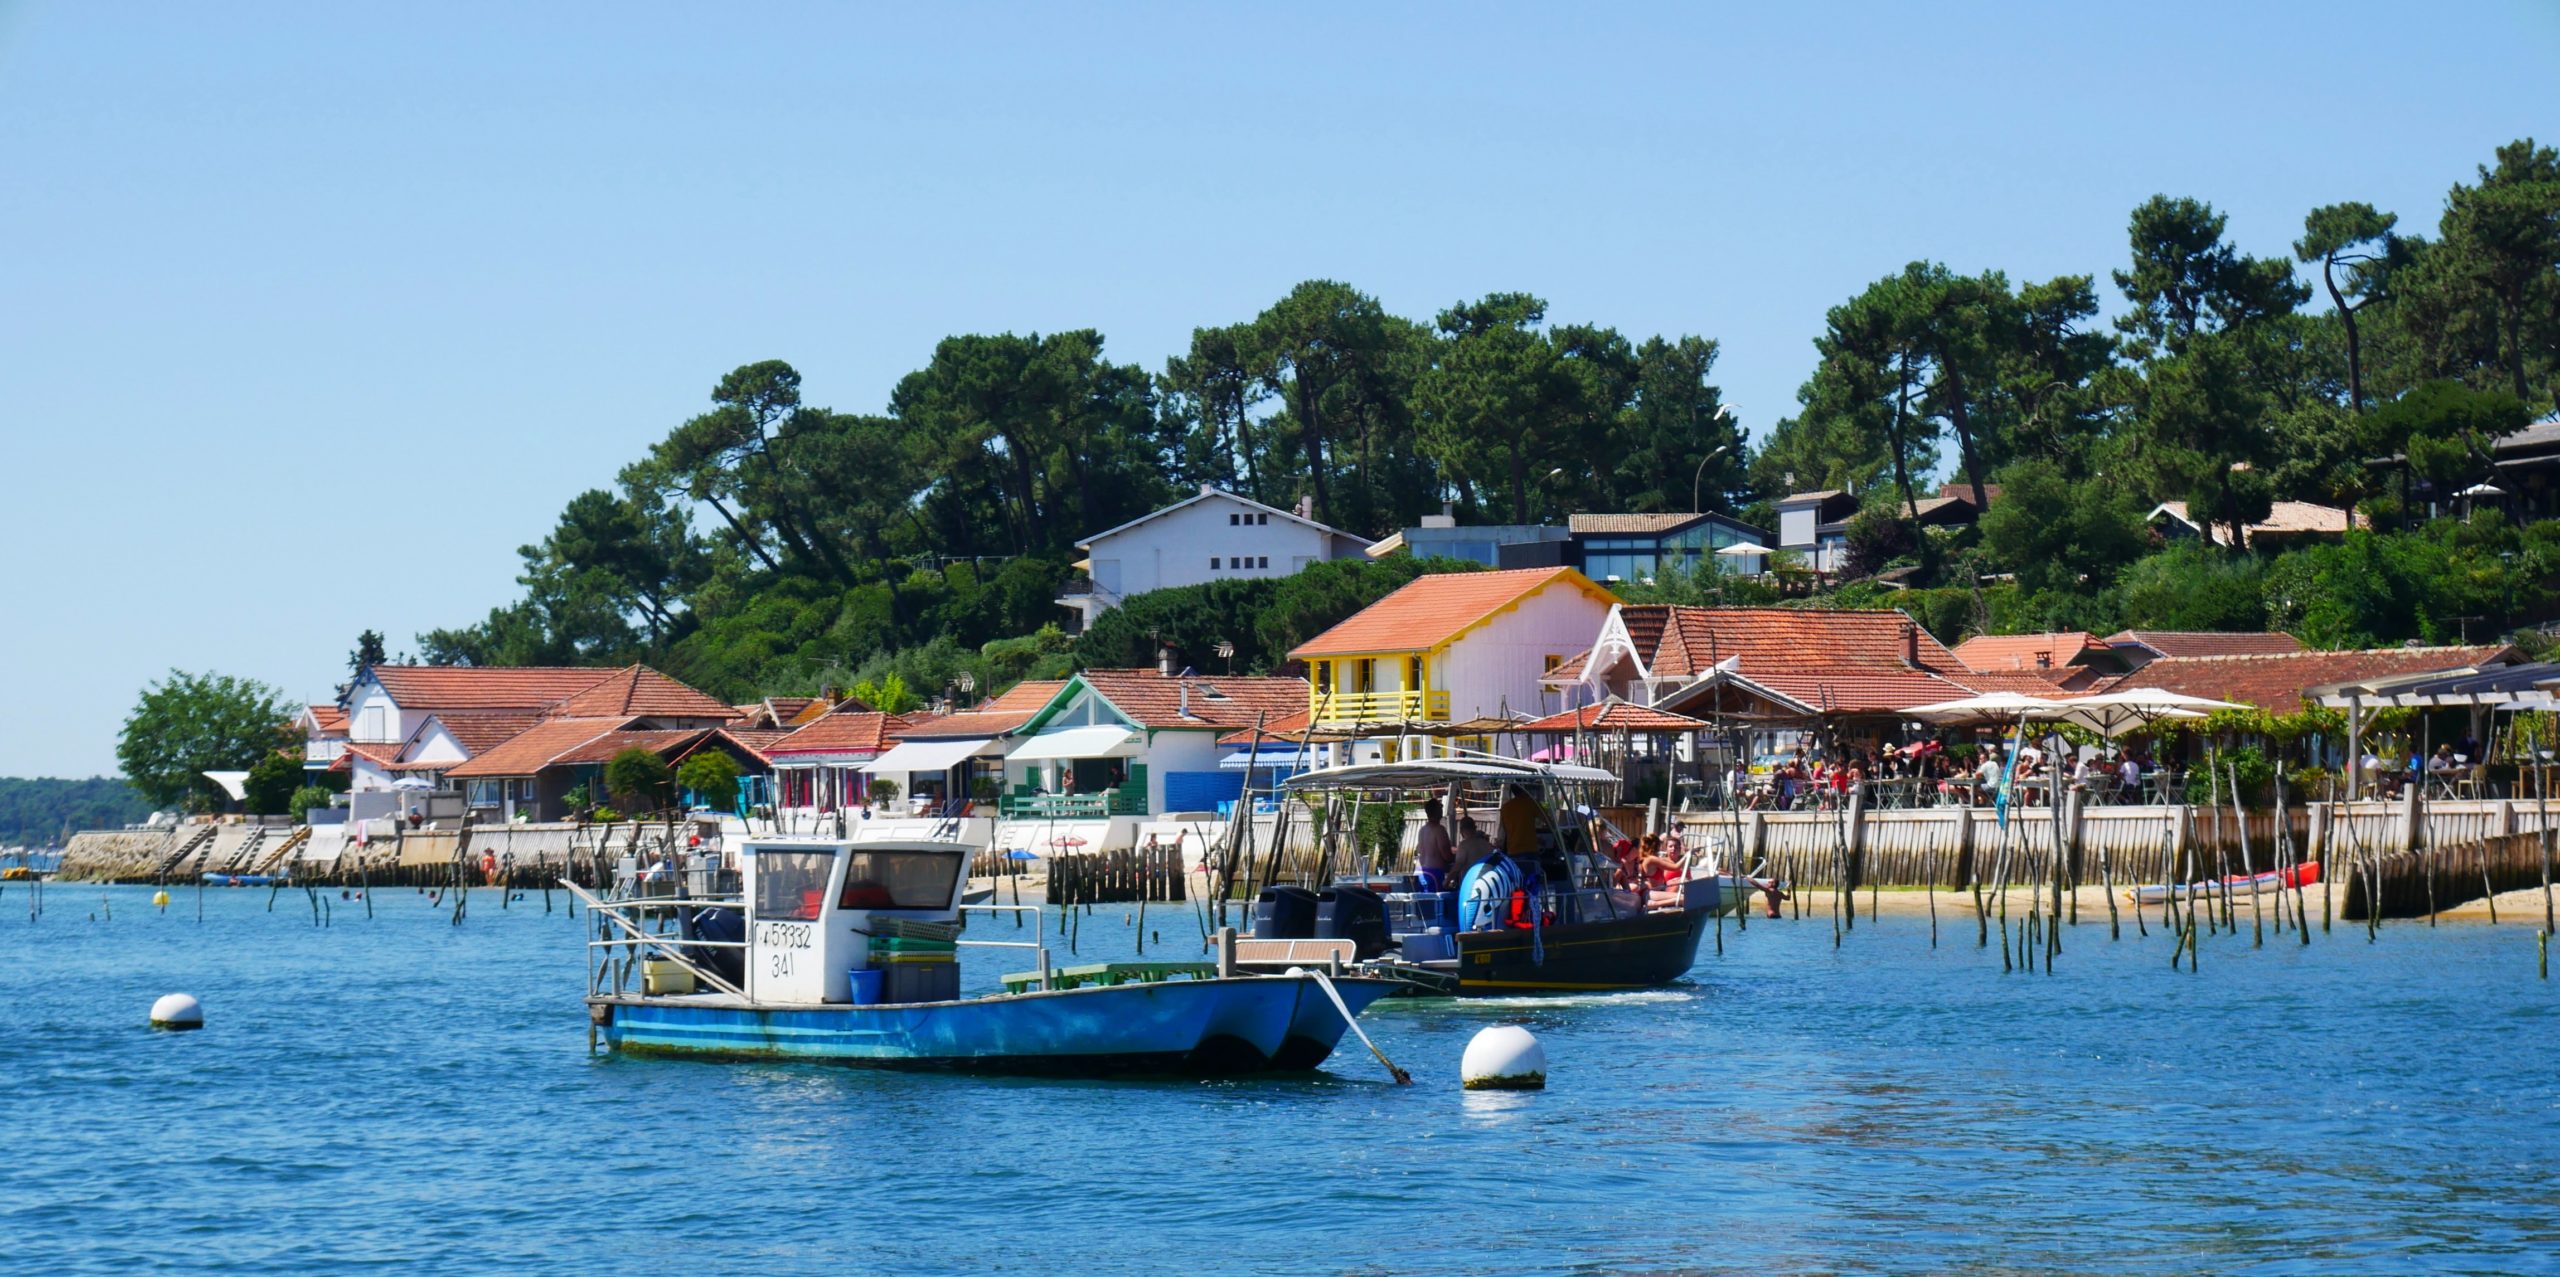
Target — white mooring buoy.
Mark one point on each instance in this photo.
(1503, 1058)
(177, 1011)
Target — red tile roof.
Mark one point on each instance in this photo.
(639, 690)
(1615, 716)
(2029, 682)
(2032, 651)
(329, 720)
(380, 753)
(2207, 642)
(2274, 682)
(1684, 642)
(534, 748)
(603, 748)
(857, 733)
(758, 741)
(1431, 610)
(439, 687)
(1027, 696)
(967, 723)
(1152, 700)
(1285, 725)
(1846, 689)
(480, 733)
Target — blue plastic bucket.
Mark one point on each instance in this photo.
(866, 985)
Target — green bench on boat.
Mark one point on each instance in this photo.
(1104, 974)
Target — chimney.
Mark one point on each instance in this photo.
(1306, 507)
(1165, 661)
(1911, 644)
(1207, 488)
(1186, 699)
(827, 692)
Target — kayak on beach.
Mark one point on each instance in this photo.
(2303, 875)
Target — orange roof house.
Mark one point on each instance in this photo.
(638, 691)
(435, 717)
(856, 736)
(532, 776)
(1769, 662)
(1452, 646)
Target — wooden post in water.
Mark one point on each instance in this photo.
(2107, 885)
(2542, 833)
(2257, 911)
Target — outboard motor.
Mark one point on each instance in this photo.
(718, 925)
(1284, 912)
(1356, 914)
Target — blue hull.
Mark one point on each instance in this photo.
(1243, 1025)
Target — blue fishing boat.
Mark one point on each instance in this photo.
(1550, 919)
(847, 952)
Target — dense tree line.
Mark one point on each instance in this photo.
(769, 543)
(45, 812)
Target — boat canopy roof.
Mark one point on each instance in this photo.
(1433, 773)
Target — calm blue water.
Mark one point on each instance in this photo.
(404, 1092)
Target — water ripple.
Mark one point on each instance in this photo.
(403, 1093)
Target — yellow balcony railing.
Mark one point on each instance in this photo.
(1378, 707)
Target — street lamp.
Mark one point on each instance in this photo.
(1700, 476)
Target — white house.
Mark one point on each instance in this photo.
(1814, 526)
(1452, 647)
(421, 719)
(1212, 535)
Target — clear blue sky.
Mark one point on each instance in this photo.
(315, 313)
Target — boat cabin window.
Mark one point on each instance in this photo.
(792, 885)
(899, 880)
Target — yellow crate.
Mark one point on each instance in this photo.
(662, 976)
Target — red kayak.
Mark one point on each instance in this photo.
(2302, 875)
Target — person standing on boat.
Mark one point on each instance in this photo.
(1434, 856)
(1472, 847)
(1518, 821)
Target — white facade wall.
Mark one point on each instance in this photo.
(1795, 528)
(1499, 663)
(437, 745)
(1177, 752)
(373, 716)
(1175, 549)
(363, 777)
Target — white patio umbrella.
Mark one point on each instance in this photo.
(1742, 550)
(413, 782)
(1986, 709)
(2117, 713)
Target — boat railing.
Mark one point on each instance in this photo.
(1038, 943)
(611, 959)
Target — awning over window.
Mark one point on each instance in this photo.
(1284, 757)
(1072, 742)
(926, 755)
